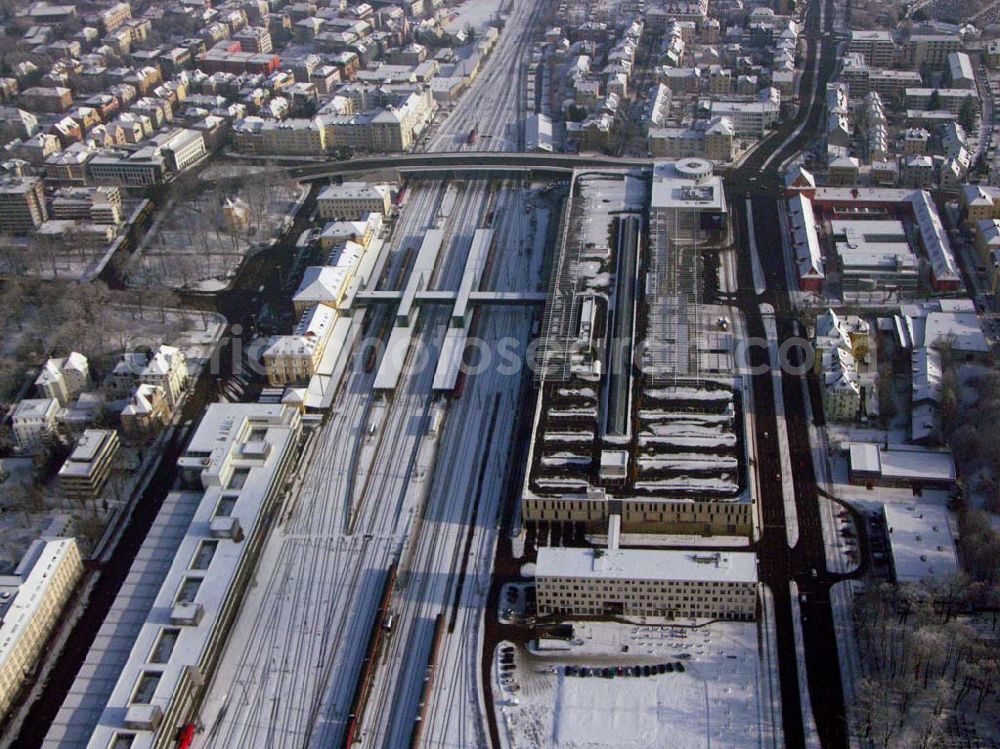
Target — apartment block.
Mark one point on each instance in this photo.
(86, 471)
(293, 137)
(931, 50)
(949, 99)
(876, 47)
(31, 605)
(34, 423)
(22, 204)
(354, 200)
(710, 139)
(751, 118)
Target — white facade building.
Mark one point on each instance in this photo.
(646, 583)
(64, 378)
(34, 422)
(240, 456)
(168, 369)
(354, 200)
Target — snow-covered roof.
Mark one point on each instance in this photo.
(921, 542)
(228, 432)
(36, 575)
(311, 333)
(141, 401)
(34, 408)
(961, 329)
(53, 369)
(163, 361)
(805, 240)
(321, 284)
(904, 463)
(646, 564)
(928, 375)
(799, 176)
(353, 191)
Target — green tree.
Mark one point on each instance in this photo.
(967, 114)
(934, 102)
(981, 167)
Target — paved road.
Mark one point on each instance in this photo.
(759, 178)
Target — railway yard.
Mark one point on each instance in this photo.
(365, 622)
(378, 488)
(533, 363)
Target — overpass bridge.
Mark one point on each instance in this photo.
(467, 162)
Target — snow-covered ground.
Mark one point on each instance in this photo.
(120, 328)
(719, 701)
(475, 13)
(188, 247)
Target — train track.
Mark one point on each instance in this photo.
(289, 678)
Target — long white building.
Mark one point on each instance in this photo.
(241, 455)
(646, 583)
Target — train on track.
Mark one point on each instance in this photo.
(381, 627)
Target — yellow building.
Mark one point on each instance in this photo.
(291, 359)
(31, 603)
(980, 203)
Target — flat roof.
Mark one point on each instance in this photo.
(36, 570)
(647, 564)
(917, 464)
(865, 457)
(391, 366)
(921, 541)
(686, 183)
(108, 654)
(226, 427)
(450, 360)
(903, 462)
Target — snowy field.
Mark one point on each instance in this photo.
(719, 700)
(475, 13)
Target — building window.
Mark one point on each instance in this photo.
(164, 646)
(238, 479)
(203, 556)
(188, 590)
(225, 506)
(121, 741)
(146, 688)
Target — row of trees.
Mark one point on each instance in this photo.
(973, 430)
